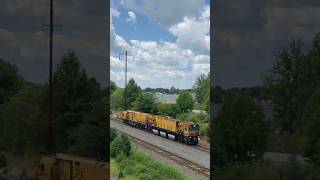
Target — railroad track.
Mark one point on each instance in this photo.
(198, 147)
(178, 159)
(201, 148)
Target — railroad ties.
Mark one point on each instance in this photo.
(178, 159)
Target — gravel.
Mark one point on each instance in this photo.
(185, 151)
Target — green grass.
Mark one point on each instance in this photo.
(141, 166)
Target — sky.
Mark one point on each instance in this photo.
(170, 41)
(169, 38)
(24, 41)
(247, 33)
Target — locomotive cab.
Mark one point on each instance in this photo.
(192, 134)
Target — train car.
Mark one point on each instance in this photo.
(185, 132)
(68, 167)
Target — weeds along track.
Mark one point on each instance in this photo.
(172, 156)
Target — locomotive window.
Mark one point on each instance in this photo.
(194, 127)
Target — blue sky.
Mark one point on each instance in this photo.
(170, 42)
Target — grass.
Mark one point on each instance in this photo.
(140, 166)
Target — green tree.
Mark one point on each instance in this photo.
(121, 145)
(201, 87)
(116, 100)
(145, 102)
(74, 92)
(312, 133)
(133, 91)
(10, 80)
(238, 130)
(113, 87)
(289, 85)
(23, 121)
(185, 102)
(90, 137)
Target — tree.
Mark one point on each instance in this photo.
(133, 91)
(145, 102)
(185, 102)
(239, 129)
(121, 145)
(289, 85)
(312, 133)
(170, 110)
(116, 100)
(10, 80)
(200, 87)
(23, 121)
(73, 95)
(90, 137)
(113, 87)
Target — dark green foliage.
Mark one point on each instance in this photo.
(113, 87)
(240, 128)
(145, 102)
(312, 132)
(289, 85)
(113, 134)
(74, 93)
(133, 91)
(3, 161)
(10, 80)
(121, 145)
(185, 102)
(23, 121)
(267, 171)
(170, 110)
(90, 138)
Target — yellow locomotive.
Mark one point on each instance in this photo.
(68, 167)
(182, 131)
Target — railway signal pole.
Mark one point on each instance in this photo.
(125, 78)
(51, 28)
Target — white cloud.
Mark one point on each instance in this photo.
(194, 32)
(163, 64)
(167, 12)
(132, 17)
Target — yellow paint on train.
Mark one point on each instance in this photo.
(68, 167)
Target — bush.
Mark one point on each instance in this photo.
(121, 145)
(113, 134)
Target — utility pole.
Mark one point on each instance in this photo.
(125, 78)
(51, 28)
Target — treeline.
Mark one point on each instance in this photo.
(172, 90)
(144, 100)
(241, 136)
(79, 112)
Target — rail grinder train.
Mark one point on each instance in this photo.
(182, 131)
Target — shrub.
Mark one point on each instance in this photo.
(121, 145)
